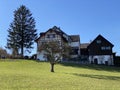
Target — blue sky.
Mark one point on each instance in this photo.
(88, 18)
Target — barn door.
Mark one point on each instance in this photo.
(95, 61)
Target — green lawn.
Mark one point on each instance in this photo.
(31, 75)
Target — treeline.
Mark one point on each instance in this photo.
(4, 54)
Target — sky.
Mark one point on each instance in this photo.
(87, 18)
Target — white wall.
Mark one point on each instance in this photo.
(40, 56)
(74, 44)
(101, 59)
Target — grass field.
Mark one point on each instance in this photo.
(31, 75)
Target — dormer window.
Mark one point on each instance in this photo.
(98, 41)
(48, 36)
(108, 48)
(105, 48)
(51, 36)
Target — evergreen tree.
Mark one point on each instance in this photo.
(12, 42)
(22, 32)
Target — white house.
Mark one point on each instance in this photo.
(57, 34)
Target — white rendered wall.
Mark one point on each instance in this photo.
(40, 56)
(101, 59)
(74, 44)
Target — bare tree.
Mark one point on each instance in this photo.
(3, 53)
(55, 51)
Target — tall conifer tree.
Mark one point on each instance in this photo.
(22, 32)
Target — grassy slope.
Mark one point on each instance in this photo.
(31, 75)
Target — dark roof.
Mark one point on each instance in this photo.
(84, 45)
(98, 37)
(57, 30)
(74, 38)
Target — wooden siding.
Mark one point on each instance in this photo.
(100, 46)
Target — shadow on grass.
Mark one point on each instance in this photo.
(93, 67)
(117, 78)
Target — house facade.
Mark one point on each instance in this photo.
(100, 51)
(74, 43)
(57, 34)
(84, 51)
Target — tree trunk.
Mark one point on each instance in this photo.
(22, 51)
(52, 67)
(22, 42)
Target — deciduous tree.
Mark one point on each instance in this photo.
(55, 51)
(3, 53)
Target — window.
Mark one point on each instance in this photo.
(102, 48)
(105, 48)
(48, 36)
(74, 51)
(98, 41)
(51, 36)
(108, 48)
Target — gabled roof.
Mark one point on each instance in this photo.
(57, 30)
(74, 38)
(101, 37)
(84, 45)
